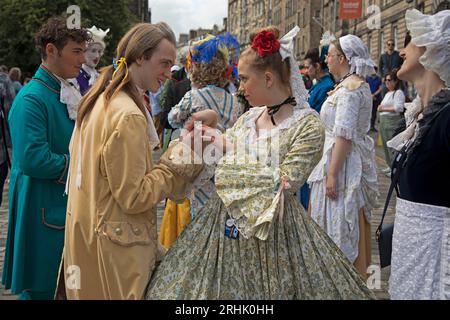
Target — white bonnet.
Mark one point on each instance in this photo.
(432, 32)
(357, 54)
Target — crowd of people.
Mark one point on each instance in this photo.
(283, 209)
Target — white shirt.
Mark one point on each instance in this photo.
(395, 99)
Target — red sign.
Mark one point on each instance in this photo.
(350, 9)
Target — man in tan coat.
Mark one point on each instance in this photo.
(111, 243)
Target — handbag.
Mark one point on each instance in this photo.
(384, 234)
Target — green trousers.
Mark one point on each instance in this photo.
(388, 124)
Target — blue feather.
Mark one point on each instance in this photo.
(206, 51)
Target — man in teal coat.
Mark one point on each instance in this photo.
(40, 132)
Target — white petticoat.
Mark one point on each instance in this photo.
(420, 265)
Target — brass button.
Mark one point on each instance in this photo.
(118, 231)
(137, 231)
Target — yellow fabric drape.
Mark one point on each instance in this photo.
(176, 218)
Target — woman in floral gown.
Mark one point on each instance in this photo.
(253, 239)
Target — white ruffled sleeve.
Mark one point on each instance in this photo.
(347, 114)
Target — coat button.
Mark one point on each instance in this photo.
(118, 231)
(137, 231)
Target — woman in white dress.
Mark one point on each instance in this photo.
(391, 112)
(344, 185)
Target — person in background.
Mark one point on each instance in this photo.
(7, 92)
(344, 186)
(389, 61)
(94, 52)
(6, 99)
(317, 70)
(375, 85)
(307, 81)
(211, 65)
(175, 88)
(391, 113)
(40, 132)
(156, 112)
(16, 75)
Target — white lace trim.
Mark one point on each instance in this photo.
(255, 112)
(357, 54)
(346, 133)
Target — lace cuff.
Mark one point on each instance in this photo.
(345, 132)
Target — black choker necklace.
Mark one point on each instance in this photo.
(274, 109)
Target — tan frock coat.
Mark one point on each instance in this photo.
(111, 243)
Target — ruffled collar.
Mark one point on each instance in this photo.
(92, 72)
(70, 96)
(255, 112)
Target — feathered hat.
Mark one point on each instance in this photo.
(98, 35)
(203, 51)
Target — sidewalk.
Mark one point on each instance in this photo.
(376, 217)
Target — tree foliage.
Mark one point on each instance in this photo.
(20, 20)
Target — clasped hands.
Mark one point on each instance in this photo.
(206, 132)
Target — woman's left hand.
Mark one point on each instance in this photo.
(331, 187)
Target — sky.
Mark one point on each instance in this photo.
(183, 15)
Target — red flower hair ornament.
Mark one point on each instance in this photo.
(265, 43)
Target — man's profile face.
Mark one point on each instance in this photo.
(68, 61)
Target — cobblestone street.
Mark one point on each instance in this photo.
(376, 217)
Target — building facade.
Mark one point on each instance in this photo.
(247, 15)
(381, 20)
(141, 10)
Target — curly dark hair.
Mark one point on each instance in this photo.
(55, 31)
(213, 73)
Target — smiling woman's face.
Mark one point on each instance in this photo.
(411, 68)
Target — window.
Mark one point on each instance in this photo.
(396, 38)
(381, 42)
(304, 17)
(369, 42)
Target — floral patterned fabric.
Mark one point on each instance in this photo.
(297, 260)
(228, 110)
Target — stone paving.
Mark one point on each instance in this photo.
(376, 217)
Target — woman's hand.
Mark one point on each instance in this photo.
(331, 187)
(201, 135)
(380, 108)
(206, 117)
